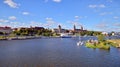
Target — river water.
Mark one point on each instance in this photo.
(55, 52)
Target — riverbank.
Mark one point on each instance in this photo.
(104, 44)
(115, 42)
(100, 45)
(25, 37)
(18, 37)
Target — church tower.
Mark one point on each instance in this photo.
(81, 27)
(74, 27)
(59, 28)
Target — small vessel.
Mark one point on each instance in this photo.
(79, 43)
(65, 35)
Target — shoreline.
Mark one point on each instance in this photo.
(28, 37)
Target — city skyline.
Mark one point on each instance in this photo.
(98, 15)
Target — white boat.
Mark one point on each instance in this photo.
(79, 43)
(65, 35)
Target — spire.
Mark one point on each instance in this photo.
(81, 27)
(59, 27)
(74, 27)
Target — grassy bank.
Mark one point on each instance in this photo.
(115, 42)
(100, 45)
(2, 37)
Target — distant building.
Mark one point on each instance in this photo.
(55, 30)
(78, 30)
(105, 33)
(6, 30)
(31, 28)
(59, 30)
(38, 28)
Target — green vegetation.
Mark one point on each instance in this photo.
(2, 37)
(89, 33)
(115, 42)
(89, 45)
(102, 43)
(101, 38)
(32, 32)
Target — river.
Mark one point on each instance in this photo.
(55, 52)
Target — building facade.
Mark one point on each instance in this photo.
(75, 30)
(6, 30)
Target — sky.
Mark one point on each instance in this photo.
(97, 15)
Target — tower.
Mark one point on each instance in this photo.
(81, 27)
(59, 28)
(74, 27)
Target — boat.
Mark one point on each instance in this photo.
(65, 35)
(79, 43)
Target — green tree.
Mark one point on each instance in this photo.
(101, 38)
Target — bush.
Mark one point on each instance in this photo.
(101, 38)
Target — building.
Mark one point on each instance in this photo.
(75, 30)
(59, 30)
(6, 30)
(31, 28)
(105, 33)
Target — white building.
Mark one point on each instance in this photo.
(105, 33)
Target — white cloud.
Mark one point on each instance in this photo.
(92, 6)
(106, 13)
(101, 6)
(57, 1)
(117, 24)
(25, 13)
(11, 3)
(102, 25)
(49, 19)
(12, 18)
(116, 17)
(33, 23)
(97, 6)
(78, 17)
(2, 20)
(45, 1)
(110, 1)
(49, 22)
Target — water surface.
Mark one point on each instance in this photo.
(55, 52)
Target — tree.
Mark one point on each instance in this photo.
(101, 38)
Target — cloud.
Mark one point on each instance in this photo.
(108, 27)
(57, 1)
(116, 17)
(109, 1)
(117, 24)
(49, 19)
(97, 6)
(102, 25)
(33, 23)
(11, 3)
(25, 13)
(92, 6)
(12, 18)
(105, 13)
(49, 22)
(46, 1)
(2, 20)
(78, 17)
(101, 6)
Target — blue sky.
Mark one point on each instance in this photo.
(99, 15)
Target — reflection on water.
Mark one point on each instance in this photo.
(55, 52)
